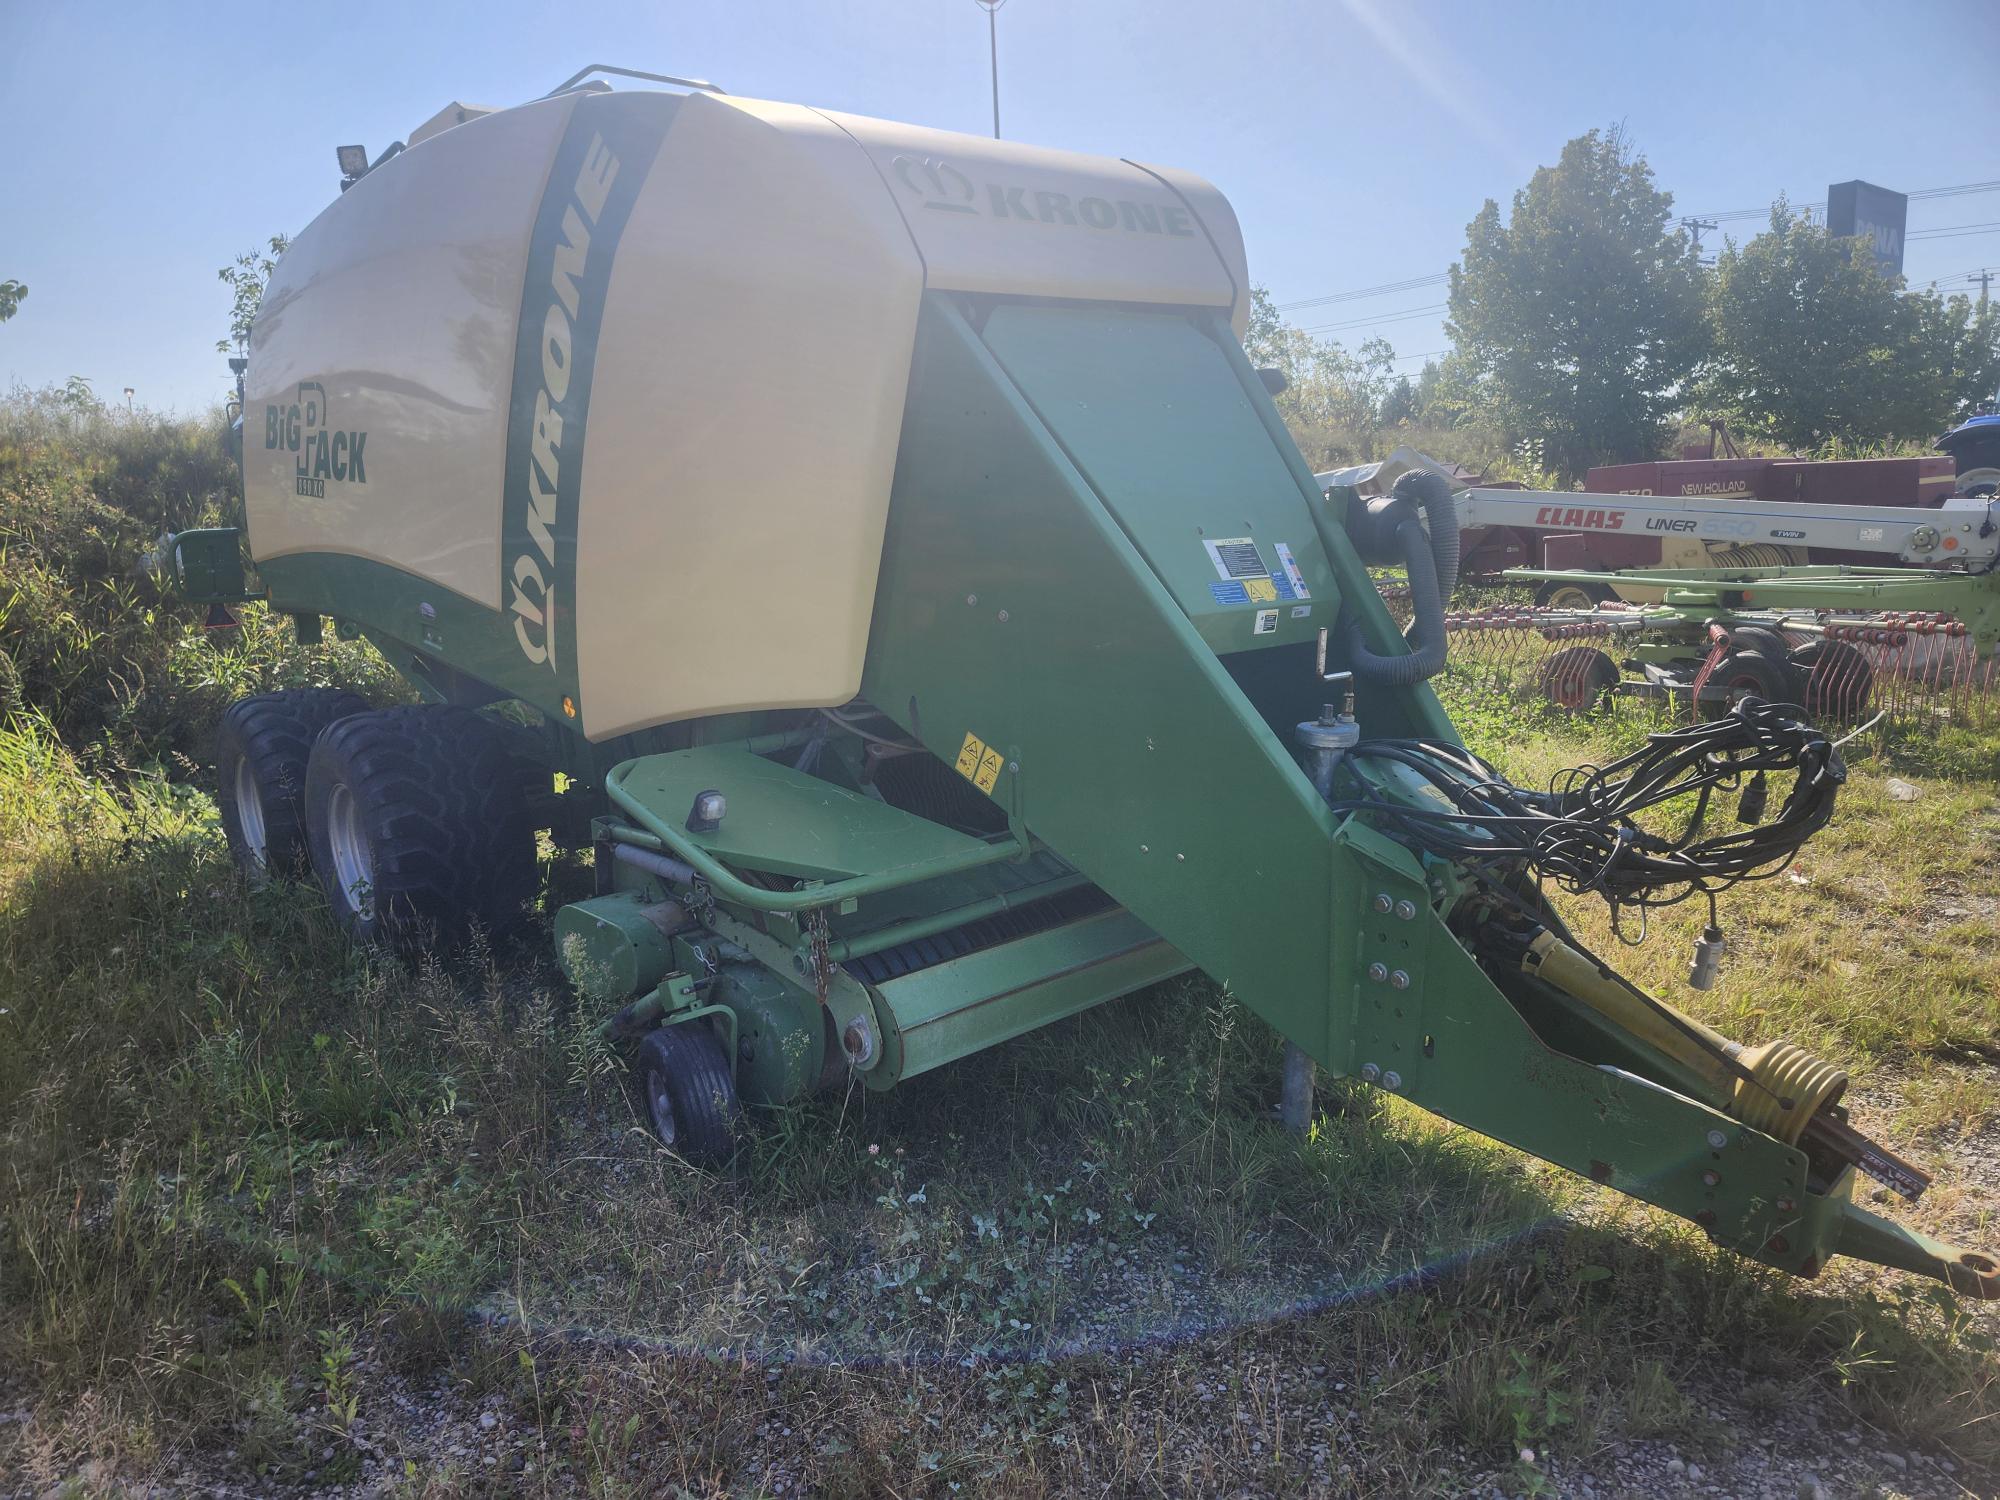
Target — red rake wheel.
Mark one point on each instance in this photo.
(1839, 682)
(1579, 679)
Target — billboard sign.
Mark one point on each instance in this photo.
(1875, 214)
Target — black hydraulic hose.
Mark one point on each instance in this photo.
(1426, 634)
(1433, 493)
(1433, 568)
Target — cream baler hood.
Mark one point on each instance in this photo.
(750, 319)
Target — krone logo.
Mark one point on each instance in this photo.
(945, 188)
(940, 184)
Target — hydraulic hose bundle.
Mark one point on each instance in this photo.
(1583, 833)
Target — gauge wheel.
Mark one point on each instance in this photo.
(261, 750)
(1747, 674)
(1579, 679)
(689, 1093)
(1839, 682)
(1561, 593)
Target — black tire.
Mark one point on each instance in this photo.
(689, 1092)
(1744, 673)
(419, 826)
(1579, 679)
(1839, 682)
(1561, 593)
(1764, 641)
(261, 751)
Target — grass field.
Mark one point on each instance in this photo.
(279, 1214)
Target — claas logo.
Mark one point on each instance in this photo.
(1579, 518)
(321, 452)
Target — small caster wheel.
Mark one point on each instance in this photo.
(689, 1092)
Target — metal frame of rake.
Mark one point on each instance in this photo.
(1920, 666)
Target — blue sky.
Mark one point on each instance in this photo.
(147, 143)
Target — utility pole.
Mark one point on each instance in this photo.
(993, 51)
(1695, 228)
(1985, 280)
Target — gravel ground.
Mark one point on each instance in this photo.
(1811, 1451)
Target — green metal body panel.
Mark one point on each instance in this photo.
(413, 622)
(1017, 606)
(612, 947)
(1157, 426)
(1456, 1045)
(781, 1034)
(206, 566)
(666, 828)
(786, 822)
(954, 1009)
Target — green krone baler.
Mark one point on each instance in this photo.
(874, 545)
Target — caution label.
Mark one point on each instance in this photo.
(1236, 557)
(979, 763)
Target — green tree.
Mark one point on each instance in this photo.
(1961, 344)
(246, 277)
(1399, 403)
(11, 293)
(1813, 345)
(1581, 315)
(1331, 395)
(1450, 393)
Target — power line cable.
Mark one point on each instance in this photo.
(1958, 232)
(1721, 216)
(1401, 316)
(1368, 291)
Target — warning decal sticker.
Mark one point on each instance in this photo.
(979, 763)
(1291, 567)
(1267, 622)
(1261, 590)
(1236, 557)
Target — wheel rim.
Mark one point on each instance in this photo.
(250, 813)
(1736, 689)
(353, 860)
(1571, 597)
(660, 1104)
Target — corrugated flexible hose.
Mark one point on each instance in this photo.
(1433, 568)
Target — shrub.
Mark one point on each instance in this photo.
(88, 636)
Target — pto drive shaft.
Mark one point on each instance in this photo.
(1776, 1087)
